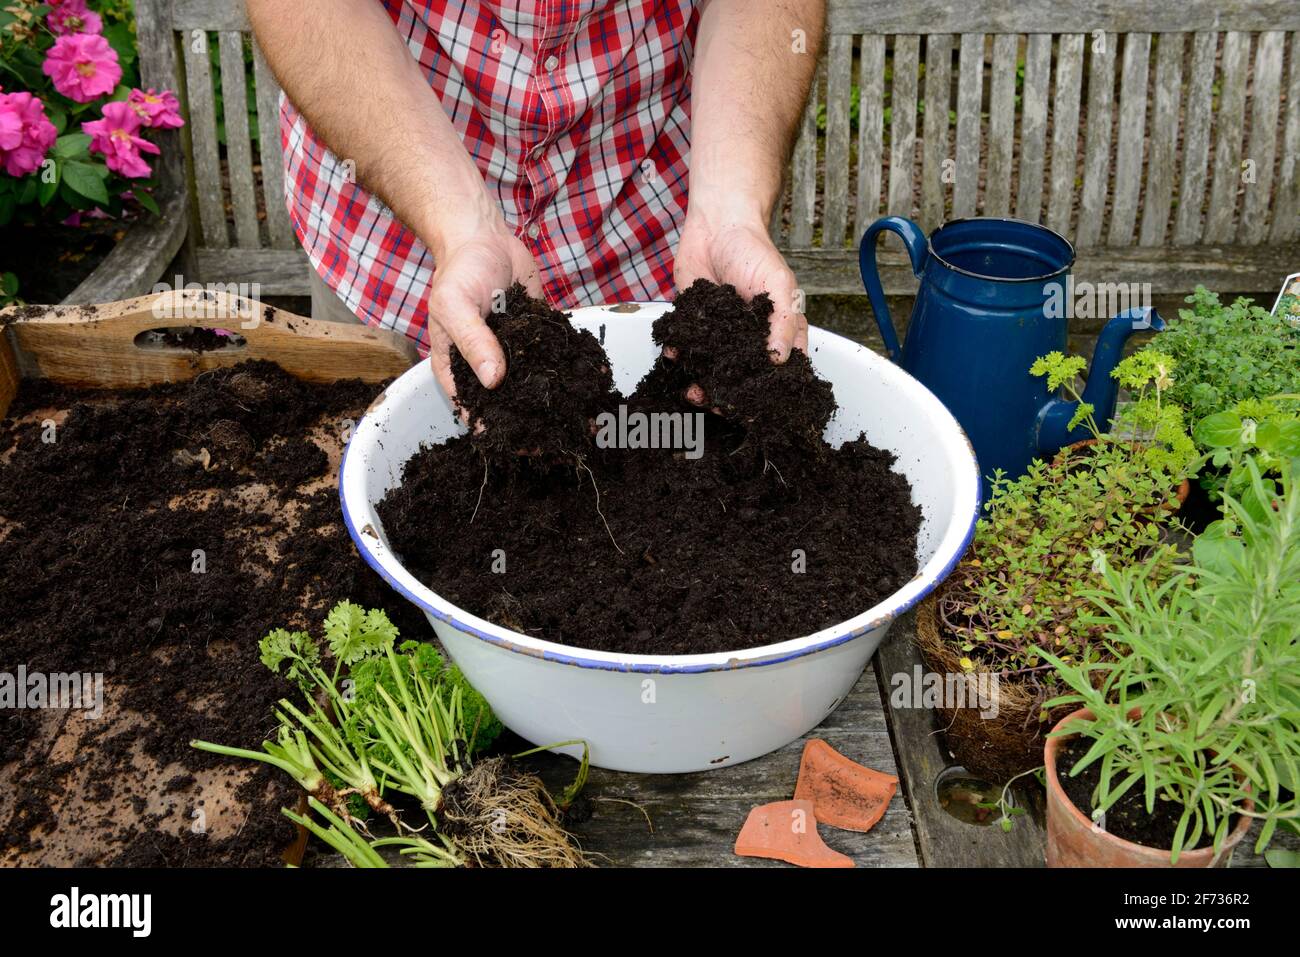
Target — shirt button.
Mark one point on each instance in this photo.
(534, 230)
(551, 63)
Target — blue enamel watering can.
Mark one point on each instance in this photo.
(995, 295)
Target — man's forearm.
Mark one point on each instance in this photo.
(754, 63)
(346, 69)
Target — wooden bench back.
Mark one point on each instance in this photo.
(1121, 124)
(1116, 123)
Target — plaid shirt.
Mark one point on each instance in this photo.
(577, 113)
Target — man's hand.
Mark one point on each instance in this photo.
(754, 65)
(373, 106)
(742, 254)
(472, 271)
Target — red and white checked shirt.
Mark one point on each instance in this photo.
(577, 113)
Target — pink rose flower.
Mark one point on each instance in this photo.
(157, 110)
(83, 66)
(73, 16)
(25, 134)
(117, 138)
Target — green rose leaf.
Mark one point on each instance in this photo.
(86, 180)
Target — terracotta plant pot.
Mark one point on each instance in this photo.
(994, 748)
(1184, 488)
(1073, 841)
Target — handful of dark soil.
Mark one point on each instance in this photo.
(761, 533)
(557, 380)
(721, 345)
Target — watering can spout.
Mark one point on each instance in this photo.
(1102, 390)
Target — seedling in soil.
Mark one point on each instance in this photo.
(406, 733)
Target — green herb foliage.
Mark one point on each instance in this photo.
(1199, 704)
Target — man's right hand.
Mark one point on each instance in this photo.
(472, 270)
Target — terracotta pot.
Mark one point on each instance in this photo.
(1073, 841)
(1184, 488)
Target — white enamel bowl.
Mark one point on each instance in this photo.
(676, 712)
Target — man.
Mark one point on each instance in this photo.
(436, 152)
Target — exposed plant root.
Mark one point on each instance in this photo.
(499, 816)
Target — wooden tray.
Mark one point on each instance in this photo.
(102, 347)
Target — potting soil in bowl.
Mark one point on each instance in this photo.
(652, 524)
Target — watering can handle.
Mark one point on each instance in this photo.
(917, 250)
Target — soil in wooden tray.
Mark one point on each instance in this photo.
(1127, 818)
(154, 540)
(767, 535)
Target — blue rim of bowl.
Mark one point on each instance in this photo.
(638, 667)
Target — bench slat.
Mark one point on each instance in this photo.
(970, 92)
(1065, 131)
(902, 127)
(1096, 160)
(839, 77)
(1158, 199)
(239, 153)
(1229, 129)
(1286, 206)
(871, 119)
(203, 136)
(1265, 105)
(1196, 140)
(1132, 130)
(1002, 125)
(803, 178)
(1033, 125)
(935, 146)
(1048, 16)
(268, 144)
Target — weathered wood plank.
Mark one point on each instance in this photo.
(209, 15)
(839, 80)
(202, 125)
(871, 120)
(803, 171)
(935, 146)
(696, 817)
(239, 153)
(1170, 270)
(1002, 125)
(1196, 139)
(277, 272)
(945, 841)
(902, 129)
(1265, 106)
(1286, 206)
(1033, 125)
(1065, 131)
(1220, 221)
(970, 92)
(1049, 16)
(8, 373)
(1158, 197)
(1096, 160)
(1132, 133)
(278, 226)
(156, 50)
